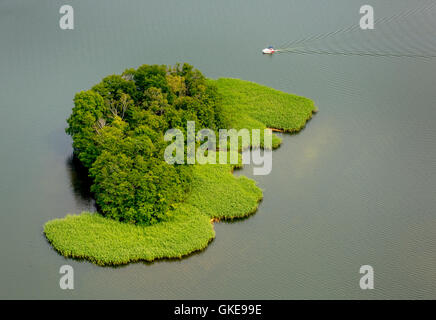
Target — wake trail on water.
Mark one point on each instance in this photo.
(370, 54)
(321, 44)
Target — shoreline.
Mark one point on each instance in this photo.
(191, 230)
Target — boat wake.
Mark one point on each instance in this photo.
(400, 34)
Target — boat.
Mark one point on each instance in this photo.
(269, 50)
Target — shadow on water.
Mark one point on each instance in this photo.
(80, 182)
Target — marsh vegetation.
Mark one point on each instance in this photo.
(148, 209)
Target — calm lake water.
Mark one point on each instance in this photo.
(357, 186)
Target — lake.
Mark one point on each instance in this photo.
(357, 186)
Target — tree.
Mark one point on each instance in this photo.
(117, 130)
(88, 109)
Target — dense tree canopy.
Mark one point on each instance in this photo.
(118, 128)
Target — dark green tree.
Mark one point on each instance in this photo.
(118, 129)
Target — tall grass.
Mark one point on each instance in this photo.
(253, 106)
(108, 242)
(216, 193)
(219, 194)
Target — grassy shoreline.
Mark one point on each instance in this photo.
(216, 193)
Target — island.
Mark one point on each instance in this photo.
(148, 209)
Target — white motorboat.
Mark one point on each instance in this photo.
(269, 50)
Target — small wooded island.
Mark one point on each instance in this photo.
(147, 208)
